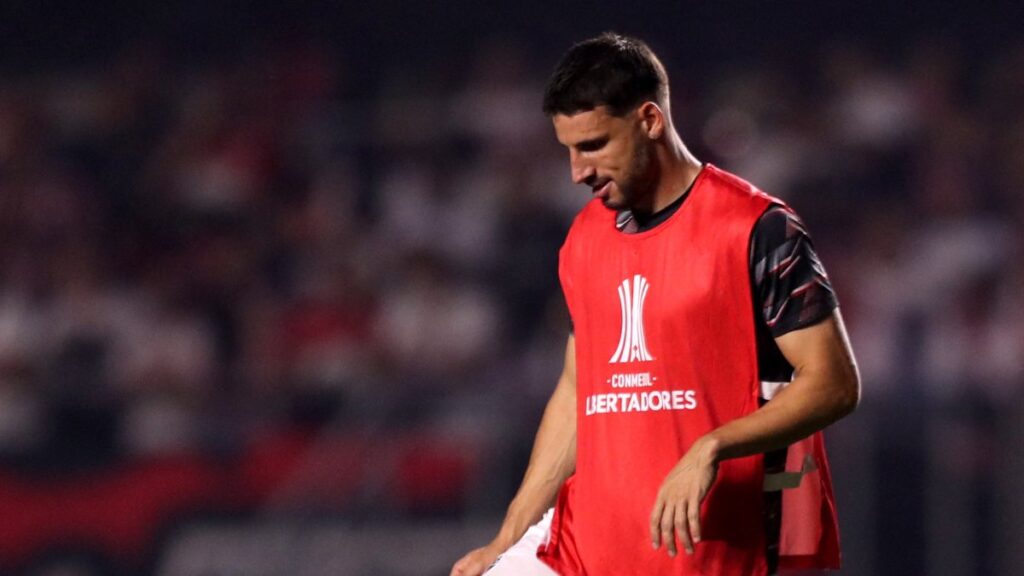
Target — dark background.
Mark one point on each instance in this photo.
(278, 287)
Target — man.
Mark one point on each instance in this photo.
(707, 354)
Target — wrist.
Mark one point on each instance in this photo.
(504, 540)
(711, 451)
(500, 543)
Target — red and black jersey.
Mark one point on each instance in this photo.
(666, 351)
(790, 287)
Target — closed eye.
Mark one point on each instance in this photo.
(591, 145)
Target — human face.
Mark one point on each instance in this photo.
(610, 154)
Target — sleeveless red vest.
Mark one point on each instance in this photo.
(665, 353)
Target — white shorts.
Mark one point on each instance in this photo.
(521, 559)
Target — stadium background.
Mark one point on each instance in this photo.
(278, 289)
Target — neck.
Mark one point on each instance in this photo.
(677, 169)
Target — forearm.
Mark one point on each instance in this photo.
(826, 388)
(552, 461)
(792, 415)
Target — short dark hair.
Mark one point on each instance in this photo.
(610, 70)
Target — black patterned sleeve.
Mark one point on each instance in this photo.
(790, 284)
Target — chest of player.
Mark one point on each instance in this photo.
(643, 298)
(664, 318)
(633, 295)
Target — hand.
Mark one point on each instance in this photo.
(474, 563)
(677, 506)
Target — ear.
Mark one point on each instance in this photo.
(652, 119)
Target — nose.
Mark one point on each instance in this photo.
(581, 169)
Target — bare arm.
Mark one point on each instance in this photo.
(825, 388)
(552, 461)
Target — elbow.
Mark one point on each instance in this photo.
(841, 393)
(849, 399)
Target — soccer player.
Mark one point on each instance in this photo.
(707, 353)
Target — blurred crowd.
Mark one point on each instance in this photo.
(194, 257)
(191, 256)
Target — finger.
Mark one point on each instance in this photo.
(693, 518)
(655, 524)
(667, 526)
(683, 528)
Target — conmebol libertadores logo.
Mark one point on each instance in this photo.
(632, 342)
